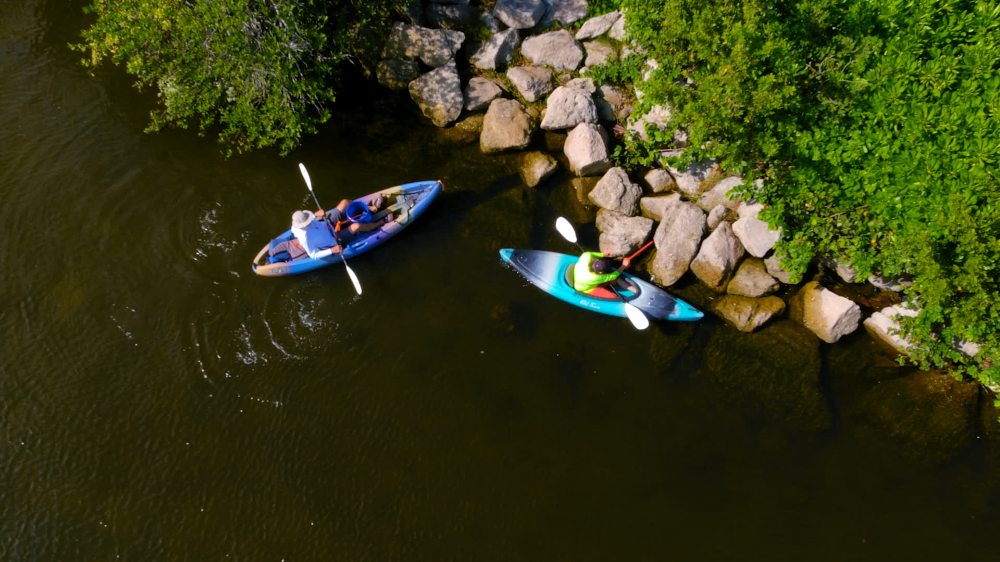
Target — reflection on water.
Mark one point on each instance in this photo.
(159, 401)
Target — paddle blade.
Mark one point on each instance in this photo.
(636, 316)
(566, 229)
(305, 176)
(357, 284)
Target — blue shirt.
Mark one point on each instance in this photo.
(316, 239)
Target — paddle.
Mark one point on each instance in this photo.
(350, 272)
(635, 315)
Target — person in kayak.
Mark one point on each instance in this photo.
(315, 231)
(593, 274)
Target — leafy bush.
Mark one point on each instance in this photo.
(874, 128)
(261, 72)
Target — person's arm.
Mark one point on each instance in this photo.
(328, 251)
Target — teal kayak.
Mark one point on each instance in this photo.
(553, 273)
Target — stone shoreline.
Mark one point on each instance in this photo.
(527, 76)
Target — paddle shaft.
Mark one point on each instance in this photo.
(648, 244)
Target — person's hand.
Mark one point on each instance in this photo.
(626, 262)
(320, 213)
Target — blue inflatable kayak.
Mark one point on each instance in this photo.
(406, 202)
(553, 273)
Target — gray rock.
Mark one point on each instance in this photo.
(717, 258)
(659, 180)
(454, 2)
(657, 207)
(884, 325)
(616, 192)
(479, 93)
(568, 11)
(677, 239)
(439, 94)
(622, 235)
(829, 315)
(752, 280)
(611, 104)
(756, 236)
(520, 14)
(689, 180)
(747, 314)
(585, 84)
(658, 116)
(491, 23)
(450, 16)
(498, 51)
(397, 74)
(840, 267)
(413, 12)
(586, 148)
(557, 49)
(567, 108)
(716, 216)
(617, 31)
(434, 47)
(718, 195)
(894, 284)
(598, 53)
(773, 265)
(536, 167)
(507, 126)
(532, 82)
(597, 26)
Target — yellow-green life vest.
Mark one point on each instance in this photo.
(585, 280)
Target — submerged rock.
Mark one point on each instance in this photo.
(507, 126)
(747, 314)
(775, 371)
(829, 315)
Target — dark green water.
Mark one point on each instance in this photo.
(161, 402)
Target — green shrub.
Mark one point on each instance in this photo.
(875, 128)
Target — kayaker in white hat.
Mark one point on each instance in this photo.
(315, 231)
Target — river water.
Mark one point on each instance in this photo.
(161, 402)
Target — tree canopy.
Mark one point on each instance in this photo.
(258, 73)
(874, 127)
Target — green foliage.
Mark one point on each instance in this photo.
(874, 127)
(258, 72)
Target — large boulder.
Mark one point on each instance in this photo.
(716, 216)
(598, 53)
(586, 148)
(536, 167)
(752, 280)
(773, 265)
(689, 179)
(497, 51)
(829, 315)
(507, 126)
(617, 192)
(717, 258)
(557, 49)
(657, 207)
(397, 74)
(719, 195)
(617, 31)
(597, 26)
(433, 47)
(746, 314)
(622, 235)
(677, 239)
(567, 11)
(480, 93)
(532, 82)
(520, 14)
(756, 236)
(567, 108)
(884, 325)
(439, 94)
(659, 180)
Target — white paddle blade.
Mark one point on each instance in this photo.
(357, 284)
(305, 176)
(566, 229)
(636, 316)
